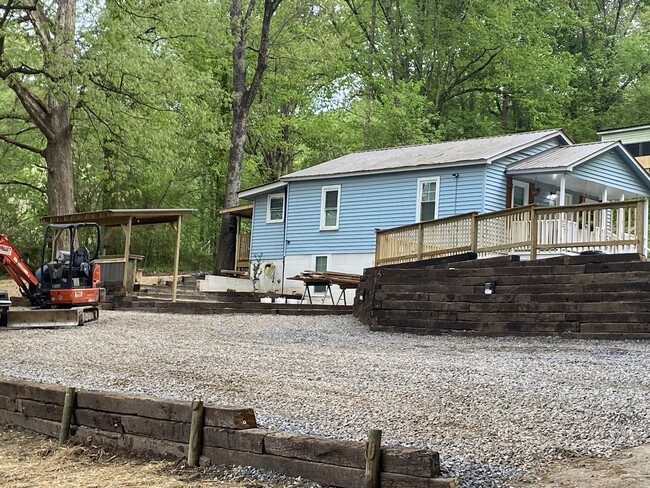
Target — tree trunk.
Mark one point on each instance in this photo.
(228, 233)
(242, 100)
(58, 156)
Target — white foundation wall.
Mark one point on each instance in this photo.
(342, 263)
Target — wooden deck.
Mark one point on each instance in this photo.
(612, 227)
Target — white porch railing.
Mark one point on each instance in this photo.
(612, 227)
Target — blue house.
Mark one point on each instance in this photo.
(325, 217)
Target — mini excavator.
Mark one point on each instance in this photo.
(61, 292)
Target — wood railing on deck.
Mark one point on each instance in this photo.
(612, 227)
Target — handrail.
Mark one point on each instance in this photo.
(610, 226)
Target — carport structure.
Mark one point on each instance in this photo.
(126, 219)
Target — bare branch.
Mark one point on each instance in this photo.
(21, 145)
(33, 105)
(22, 183)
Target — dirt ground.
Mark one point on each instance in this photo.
(629, 468)
(28, 460)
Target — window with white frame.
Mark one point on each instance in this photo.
(275, 208)
(329, 210)
(427, 208)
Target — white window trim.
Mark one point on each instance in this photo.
(269, 220)
(418, 206)
(324, 190)
(521, 184)
(313, 266)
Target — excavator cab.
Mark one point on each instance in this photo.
(65, 285)
(67, 275)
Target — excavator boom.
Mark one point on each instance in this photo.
(16, 266)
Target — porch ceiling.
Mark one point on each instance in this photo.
(577, 185)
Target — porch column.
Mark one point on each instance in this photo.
(604, 226)
(562, 237)
(645, 227)
(562, 189)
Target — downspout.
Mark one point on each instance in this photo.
(284, 237)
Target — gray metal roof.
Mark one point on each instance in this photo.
(561, 157)
(479, 150)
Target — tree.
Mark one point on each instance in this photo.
(243, 95)
(43, 85)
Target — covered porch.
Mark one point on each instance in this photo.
(565, 200)
(244, 214)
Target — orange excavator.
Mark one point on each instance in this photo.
(63, 291)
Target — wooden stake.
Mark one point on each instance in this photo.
(373, 450)
(196, 431)
(68, 408)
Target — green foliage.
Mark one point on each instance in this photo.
(152, 108)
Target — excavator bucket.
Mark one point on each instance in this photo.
(50, 318)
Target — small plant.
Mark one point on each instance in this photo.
(256, 270)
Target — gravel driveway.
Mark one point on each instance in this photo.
(495, 408)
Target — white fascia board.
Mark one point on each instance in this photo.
(260, 190)
(386, 171)
(623, 129)
(545, 138)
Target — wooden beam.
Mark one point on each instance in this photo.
(127, 249)
(176, 258)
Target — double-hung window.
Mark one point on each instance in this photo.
(329, 209)
(427, 208)
(275, 208)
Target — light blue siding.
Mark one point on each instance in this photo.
(372, 202)
(495, 176)
(611, 170)
(266, 239)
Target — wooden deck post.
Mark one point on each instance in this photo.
(640, 230)
(377, 246)
(127, 250)
(420, 240)
(373, 455)
(177, 227)
(474, 233)
(533, 233)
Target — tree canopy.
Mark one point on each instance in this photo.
(132, 103)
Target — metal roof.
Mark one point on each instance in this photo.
(468, 151)
(561, 157)
(623, 129)
(114, 217)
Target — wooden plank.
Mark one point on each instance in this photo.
(143, 445)
(142, 406)
(230, 417)
(47, 411)
(32, 391)
(340, 476)
(131, 424)
(251, 440)
(45, 427)
(403, 460)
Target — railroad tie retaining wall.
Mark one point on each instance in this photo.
(596, 295)
(229, 436)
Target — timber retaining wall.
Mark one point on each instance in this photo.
(229, 436)
(587, 296)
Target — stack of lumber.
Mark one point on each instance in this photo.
(347, 280)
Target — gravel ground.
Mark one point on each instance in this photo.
(497, 409)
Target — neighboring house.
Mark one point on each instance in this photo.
(325, 217)
(635, 139)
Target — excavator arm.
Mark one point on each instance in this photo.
(17, 268)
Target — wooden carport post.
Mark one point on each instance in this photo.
(127, 250)
(176, 226)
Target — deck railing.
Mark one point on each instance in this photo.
(612, 227)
